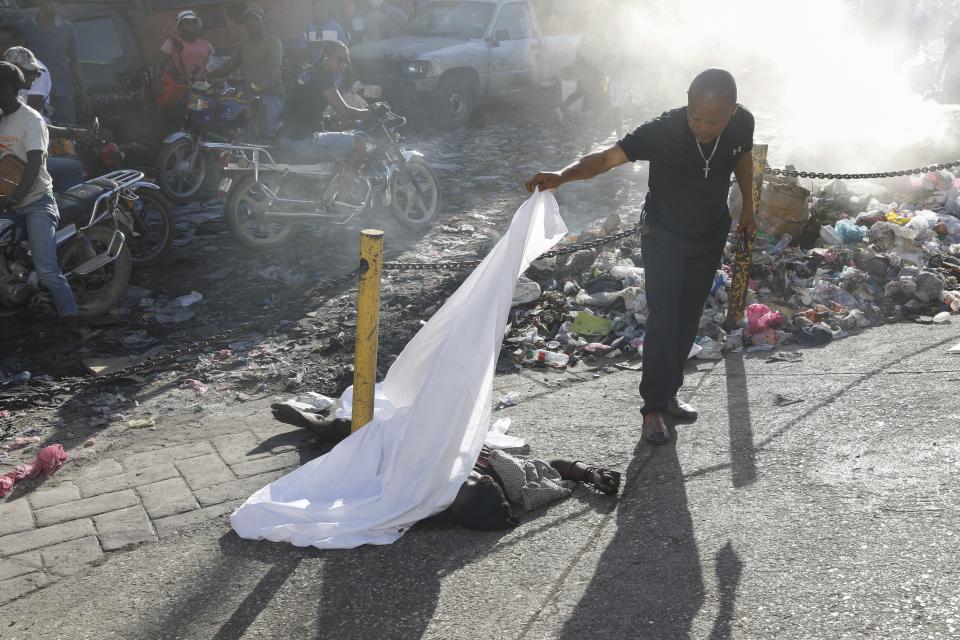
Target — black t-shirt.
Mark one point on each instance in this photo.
(683, 208)
(305, 107)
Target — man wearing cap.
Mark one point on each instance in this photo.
(259, 59)
(23, 134)
(53, 40)
(36, 76)
(184, 57)
(66, 172)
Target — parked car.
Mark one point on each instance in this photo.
(461, 53)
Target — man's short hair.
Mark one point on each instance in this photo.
(11, 76)
(718, 82)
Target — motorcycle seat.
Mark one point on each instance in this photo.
(285, 155)
(75, 204)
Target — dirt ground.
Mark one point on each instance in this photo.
(305, 343)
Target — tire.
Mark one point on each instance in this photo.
(96, 292)
(244, 199)
(455, 102)
(174, 183)
(407, 207)
(153, 231)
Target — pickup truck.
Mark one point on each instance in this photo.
(459, 53)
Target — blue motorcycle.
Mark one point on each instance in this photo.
(214, 114)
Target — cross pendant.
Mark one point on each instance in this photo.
(706, 171)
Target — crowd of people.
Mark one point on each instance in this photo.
(41, 83)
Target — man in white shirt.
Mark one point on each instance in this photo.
(23, 134)
(66, 172)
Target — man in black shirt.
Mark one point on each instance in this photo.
(303, 120)
(692, 152)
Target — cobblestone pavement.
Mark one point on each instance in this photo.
(126, 500)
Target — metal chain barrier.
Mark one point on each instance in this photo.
(471, 264)
(860, 176)
(172, 356)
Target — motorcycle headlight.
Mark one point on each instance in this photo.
(415, 68)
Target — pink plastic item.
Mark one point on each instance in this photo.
(20, 443)
(198, 387)
(49, 460)
(46, 464)
(760, 318)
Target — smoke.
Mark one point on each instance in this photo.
(829, 84)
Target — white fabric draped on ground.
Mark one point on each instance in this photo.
(432, 414)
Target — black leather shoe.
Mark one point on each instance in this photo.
(655, 429)
(681, 411)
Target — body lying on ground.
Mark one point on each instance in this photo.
(498, 483)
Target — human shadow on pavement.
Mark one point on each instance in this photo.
(648, 581)
(729, 568)
(743, 454)
(392, 591)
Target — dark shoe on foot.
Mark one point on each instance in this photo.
(681, 411)
(655, 429)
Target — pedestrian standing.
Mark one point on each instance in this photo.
(53, 40)
(260, 60)
(692, 152)
(183, 61)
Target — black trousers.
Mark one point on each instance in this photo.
(678, 284)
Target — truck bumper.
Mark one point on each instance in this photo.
(405, 92)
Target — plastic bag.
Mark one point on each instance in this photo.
(850, 233)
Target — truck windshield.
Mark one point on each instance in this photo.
(452, 20)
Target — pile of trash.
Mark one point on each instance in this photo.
(882, 256)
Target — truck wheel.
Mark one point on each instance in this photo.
(455, 102)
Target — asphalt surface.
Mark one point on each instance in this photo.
(827, 511)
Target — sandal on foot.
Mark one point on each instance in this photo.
(603, 480)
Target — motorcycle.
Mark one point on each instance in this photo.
(91, 248)
(212, 115)
(272, 191)
(145, 218)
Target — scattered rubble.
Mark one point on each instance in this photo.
(879, 256)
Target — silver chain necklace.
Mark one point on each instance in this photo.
(706, 160)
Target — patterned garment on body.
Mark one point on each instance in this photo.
(531, 483)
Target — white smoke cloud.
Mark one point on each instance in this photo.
(828, 94)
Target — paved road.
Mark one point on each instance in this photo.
(833, 517)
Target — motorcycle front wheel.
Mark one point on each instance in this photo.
(96, 292)
(244, 211)
(412, 209)
(178, 180)
(153, 228)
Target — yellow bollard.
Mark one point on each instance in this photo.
(368, 326)
(743, 250)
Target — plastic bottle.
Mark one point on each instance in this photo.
(550, 358)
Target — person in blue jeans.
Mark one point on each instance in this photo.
(23, 134)
(302, 130)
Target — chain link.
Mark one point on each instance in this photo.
(472, 264)
(172, 356)
(860, 176)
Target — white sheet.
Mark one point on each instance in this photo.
(432, 414)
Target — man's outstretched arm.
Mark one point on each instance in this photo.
(587, 167)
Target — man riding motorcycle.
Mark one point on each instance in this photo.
(23, 134)
(303, 120)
